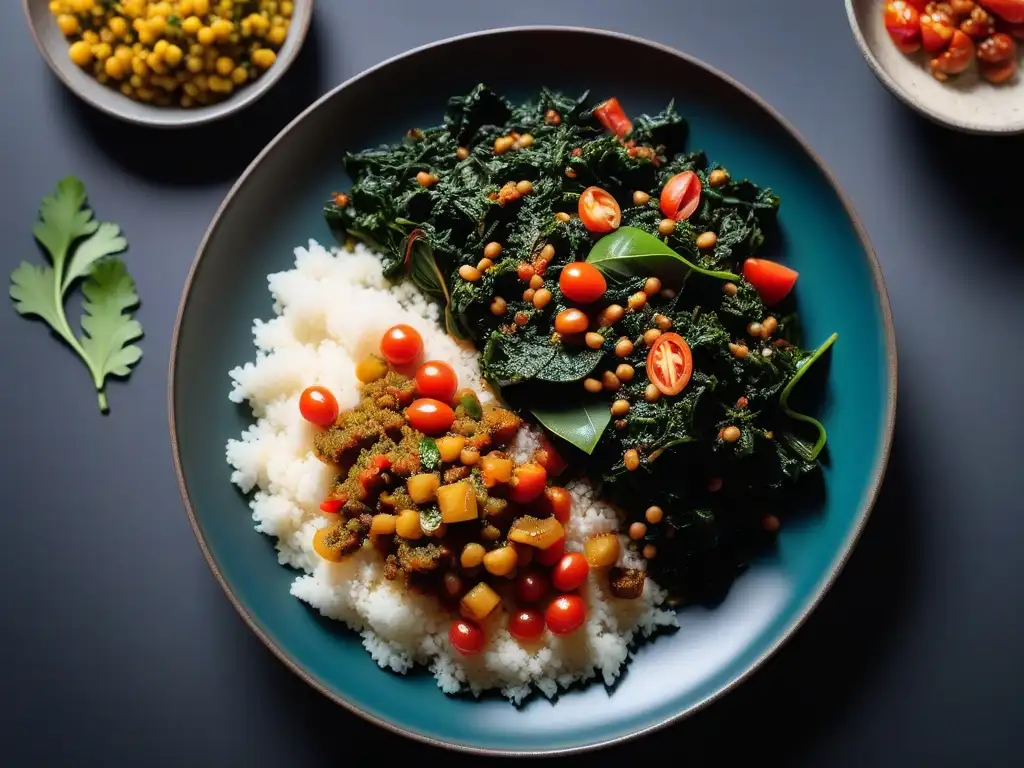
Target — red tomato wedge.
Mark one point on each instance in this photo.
(670, 364)
(680, 196)
(611, 115)
(1007, 10)
(772, 281)
(903, 23)
(599, 211)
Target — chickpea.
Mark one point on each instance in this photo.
(408, 525)
(524, 187)
(610, 315)
(118, 25)
(717, 177)
(651, 335)
(205, 36)
(493, 250)
(468, 273)
(461, 153)
(224, 66)
(706, 240)
(469, 456)
(621, 424)
(654, 515)
(754, 329)
(528, 295)
(472, 555)
(239, 75)
(651, 393)
(500, 561)
(277, 34)
(200, 7)
(263, 58)
(731, 434)
(571, 321)
(547, 253)
(542, 298)
(286, 8)
(484, 264)
(738, 350)
(536, 282)
(769, 326)
(102, 51)
(498, 306)
(730, 289)
(173, 55)
(637, 531)
(640, 197)
(650, 551)
(592, 385)
(666, 227)
(563, 217)
(551, 117)
(194, 65)
(594, 340)
(623, 347)
(610, 381)
(525, 141)
(632, 460)
(114, 67)
(222, 28)
(503, 144)
(652, 286)
(662, 322)
(620, 407)
(624, 372)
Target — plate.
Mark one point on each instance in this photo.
(54, 49)
(276, 205)
(966, 103)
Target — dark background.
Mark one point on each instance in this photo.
(119, 646)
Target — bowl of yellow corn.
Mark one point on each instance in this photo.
(171, 63)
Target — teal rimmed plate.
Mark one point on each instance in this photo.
(276, 205)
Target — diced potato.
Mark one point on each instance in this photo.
(408, 525)
(423, 488)
(472, 555)
(496, 468)
(536, 532)
(450, 447)
(603, 550)
(383, 524)
(478, 603)
(457, 502)
(500, 561)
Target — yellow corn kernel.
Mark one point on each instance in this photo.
(126, 89)
(82, 6)
(102, 78)
(160, 48)
(287, 8)
(133, 8)
(154, 63)
(136, 81)
(114, 67)
(239, 75)
(157, 24)
(264, 58)
(191, 25)
(185, 7)
(202, 82)
(144, 94)
(196, 49)
(206, 36)
(222, 28)
(139, 66)
(81, 53)
(68, 24)
(190, 89)
(200, 7)
(56, 7)
(277, 34)
(102, 51)
(124, 53)
(259, 23)
(173, 55)
(194, 64)
(224, 66)
(146, 37)
(107, 36)
(187, 101)
(118, 26)
(159, 9)
(90, 37)
(139, 24)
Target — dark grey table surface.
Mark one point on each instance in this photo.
(118, 645)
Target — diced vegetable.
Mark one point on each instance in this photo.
(496, 468)
(549, 458)
(457, 502)
(501, 561)
(383, 524)
(772, 281)
(603, 550)
(528, 482)
(408, 525)
(558, 502)
(423, 488)
(472, 555)
(371, 369)
(325, 544)
(539, 533)
(478, 603)
(611, 115)
(626, 583)
(450, 447)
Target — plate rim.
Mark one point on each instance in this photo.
(828, 577)
(901, 93)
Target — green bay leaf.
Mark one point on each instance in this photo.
(632, 252)
(580, 423)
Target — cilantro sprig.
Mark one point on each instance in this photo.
(82, 249)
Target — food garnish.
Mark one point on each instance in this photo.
(80, 248)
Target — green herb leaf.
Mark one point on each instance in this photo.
(580, 423)
(424, 272)
(570, 364)
(109, 292)
(430, 519)
(430, 456)
(631, 252)
(471, 403)
(807, 452)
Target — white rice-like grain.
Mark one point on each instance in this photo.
(330, 312)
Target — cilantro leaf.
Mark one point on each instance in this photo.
(79, 246)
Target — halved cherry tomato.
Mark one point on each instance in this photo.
(937, 29)
(558, 502)
(318, 406)
(680, 196)
(903, 23)
(582, 282)
(526, 624)
(437, 379)
(528, 482)
(431, 417)
(772, 280)
(549, 458)
(599, 211)
(670, 364)
(531, 586)
(570, 572)
(611, 115)
(401, 344)
(552, 554)
(566, 614)
(332, 506)
(1007, 10)
(466, 637)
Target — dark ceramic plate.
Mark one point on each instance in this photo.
(276, 205)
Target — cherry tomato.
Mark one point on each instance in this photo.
(903, 23)
(437, 379)
(772, 281)
(552, 554)
(1007, 10)
(318, 406)
(526, 624)
(401, 344)
(570, 572)
(670, 364)
(466, 637)
(571, 321)
(566, 614)
(431, 417)
(599, 211)
(531, 586)
(680, 196)
(558, 502)
(528, 482)
(611, 115)
(582, 282)
(549, 458)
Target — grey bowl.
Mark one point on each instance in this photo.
(54, 48)
(966, 103)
